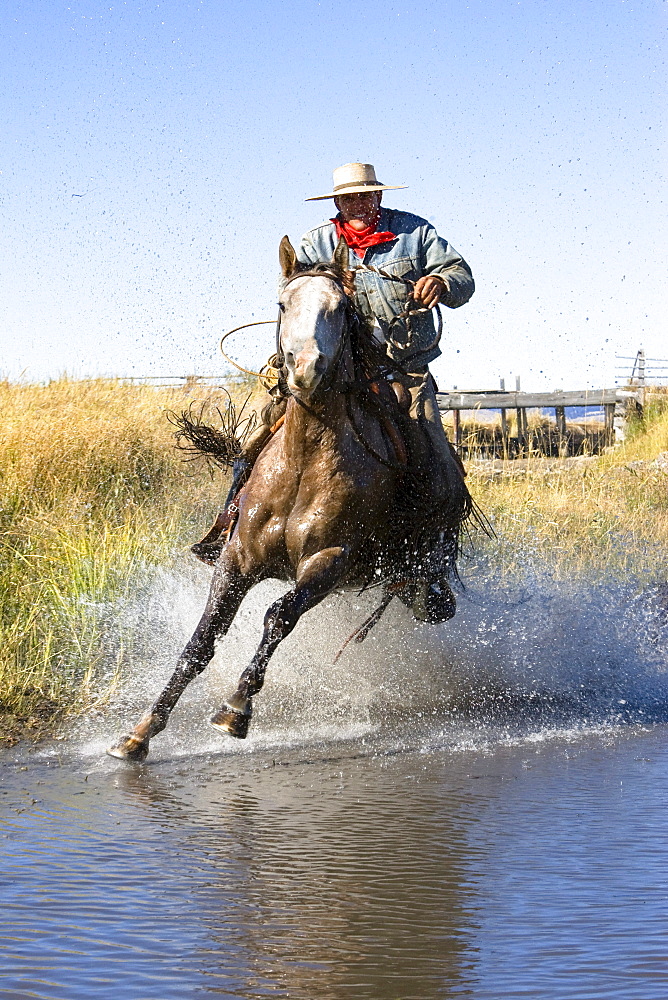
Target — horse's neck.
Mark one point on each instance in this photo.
(310, 424)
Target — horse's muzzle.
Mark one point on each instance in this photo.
(306, 373)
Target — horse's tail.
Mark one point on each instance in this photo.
(426, 529)
(437, 530)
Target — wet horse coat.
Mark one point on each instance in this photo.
(318, 506)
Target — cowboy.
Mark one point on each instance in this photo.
(427, 270)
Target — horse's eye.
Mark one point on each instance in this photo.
(281, 307)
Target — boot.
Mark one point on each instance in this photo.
(434, 602)
(209, 548)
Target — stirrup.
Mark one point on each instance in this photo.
(209, 548)
(217, 528)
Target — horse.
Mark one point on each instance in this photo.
(331, 503)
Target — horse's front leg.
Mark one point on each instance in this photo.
(228, 588)
(316, 577)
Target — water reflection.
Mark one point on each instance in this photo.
(532, 866)
(342, 886)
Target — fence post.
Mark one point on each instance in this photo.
(641, 377)
(504, 424)
(521, 422)
(560, 418)
(609, 424)
(619, 421)
(456, 428)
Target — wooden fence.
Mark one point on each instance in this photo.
(644, 371)
(613, 402)
(561, 439)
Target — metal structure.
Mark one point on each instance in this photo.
(644, 370)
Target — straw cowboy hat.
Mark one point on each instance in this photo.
(356, 178)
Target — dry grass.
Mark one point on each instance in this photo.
(92, 495)
(483, 438)
(605, 516)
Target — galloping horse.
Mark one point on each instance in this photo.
(331, 501)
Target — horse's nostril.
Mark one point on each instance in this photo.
(290, 358)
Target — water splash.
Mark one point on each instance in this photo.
(552, 656)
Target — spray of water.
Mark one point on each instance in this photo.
(544, 658)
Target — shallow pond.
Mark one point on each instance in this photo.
(393, 843)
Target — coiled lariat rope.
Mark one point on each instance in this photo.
(411, 308)
(269, 374)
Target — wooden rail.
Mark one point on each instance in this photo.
(613, 401)
(496, 400)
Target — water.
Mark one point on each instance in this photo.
(475, 810)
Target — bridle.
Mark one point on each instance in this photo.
(362, 386)
(272, 375)
(351, 321)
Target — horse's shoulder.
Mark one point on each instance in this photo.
(272, 462)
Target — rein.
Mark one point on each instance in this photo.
(270, 374)
(411, 308)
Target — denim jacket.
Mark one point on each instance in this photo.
(417, 251)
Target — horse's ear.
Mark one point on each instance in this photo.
(340, 258)
(287, 257)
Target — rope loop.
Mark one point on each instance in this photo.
(244, 326)
(411, 309)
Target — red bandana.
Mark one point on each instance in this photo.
(359, 239)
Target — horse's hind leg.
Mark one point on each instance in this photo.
(228, 589)
(318, 575)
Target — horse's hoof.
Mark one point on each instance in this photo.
(130, 748)
(231, 722)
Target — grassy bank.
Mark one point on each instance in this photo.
(92, 495)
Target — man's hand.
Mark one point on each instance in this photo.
(429, 291)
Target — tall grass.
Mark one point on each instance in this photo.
(603, 517)
(92, 495)
(484, 438)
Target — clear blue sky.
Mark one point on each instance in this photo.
(153, 154)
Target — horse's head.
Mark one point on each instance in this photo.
(314, 303)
